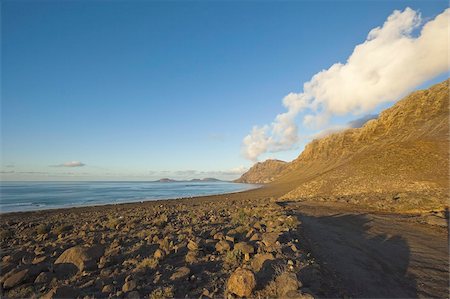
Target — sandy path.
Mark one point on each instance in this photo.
(376, 255)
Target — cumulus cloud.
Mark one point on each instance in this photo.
(391, 62)
(71, 164)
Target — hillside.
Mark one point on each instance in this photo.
(263, 172)
(404, 151)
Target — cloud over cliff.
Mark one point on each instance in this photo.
(394, 59)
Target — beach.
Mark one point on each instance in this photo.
(191, 247)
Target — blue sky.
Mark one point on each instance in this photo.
(144, 89)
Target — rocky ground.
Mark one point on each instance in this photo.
(209, 247)
(249, 244)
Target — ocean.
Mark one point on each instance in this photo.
(31, 196)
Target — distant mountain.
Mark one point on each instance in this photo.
(263, 172)
(206, 180)
(166, 180)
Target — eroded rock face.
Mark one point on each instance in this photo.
(241, 282)
(84, 258)
(263, 172)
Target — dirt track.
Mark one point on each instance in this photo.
(375, 255)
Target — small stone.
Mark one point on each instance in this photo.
(255, 237)
(191, 257)
(180, 273)
(270, 239)
(244, 247)
(159, 254)
(222, 246)
(15, 279)
(129, 286)
(38, 260)
(43, 277)
(218, 236)
(107, 289)
(230, 238)
(192, 246)
(241, 282)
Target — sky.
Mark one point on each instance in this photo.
(140, 90)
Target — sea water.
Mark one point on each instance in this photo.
(29, 196)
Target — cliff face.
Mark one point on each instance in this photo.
(406, 149)
(262, 172)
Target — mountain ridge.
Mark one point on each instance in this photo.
(405, 149)
(263, 172)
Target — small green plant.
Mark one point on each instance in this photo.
(112, 223)
(233, 258)
(239, 218)
(161, 220)
(291, 222)
(5, 234)
(61, 229)
(42, 229)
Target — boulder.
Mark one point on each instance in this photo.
(244, 247)
(15, 279)
(270, 239)
(222, 246)
(259, 259)
(241, 282)
(286, 282)
(84, 258)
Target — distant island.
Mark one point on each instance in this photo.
(167, 180)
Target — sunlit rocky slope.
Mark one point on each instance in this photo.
(263, 172)
(404, 151)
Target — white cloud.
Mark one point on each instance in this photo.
(71, 164)
(388, 64)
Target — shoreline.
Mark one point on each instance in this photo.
(132, 204)
(140, 201)
(182, 247)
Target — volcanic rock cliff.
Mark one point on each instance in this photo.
(406, 149)
(263, 172)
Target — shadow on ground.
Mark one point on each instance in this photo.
(352, 262)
